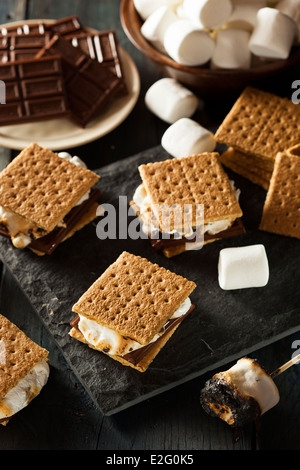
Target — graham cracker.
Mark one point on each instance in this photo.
(261, 124)
(42, 187)
(251, 161)
(281, 212)
(295, 150)
(134, 297)
(20, 355)
(193, 180)
(143, 365)
(231, 159)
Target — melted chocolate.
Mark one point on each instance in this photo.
(136, 356)
(49, 242)
(237, 228)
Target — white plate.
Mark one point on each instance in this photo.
(59, 134)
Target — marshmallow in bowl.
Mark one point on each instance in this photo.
(291, 8)
(186, 137)
(273, 35)
(170, 101)
(146, 7)
(188, 44)
(210, 14)
(243, 267)
(244, 14)
(153, 29)
(232, 50)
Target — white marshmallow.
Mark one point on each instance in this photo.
(188, 44)
(244, 14)
(153, 29)
(243, 267)
(252, 380)
(292, 9)
(232, 50)
(273, 35)
(146, 7)
(170, 101)
(210, 14)
(186, 137)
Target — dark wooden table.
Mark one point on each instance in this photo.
(64, 417)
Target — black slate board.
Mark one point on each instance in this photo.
(224, 326)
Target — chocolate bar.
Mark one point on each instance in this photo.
(65, 25)
(27, 28)
(34, 91)
(103, 47)
(62, 26)
(14, 46)
(89, 85)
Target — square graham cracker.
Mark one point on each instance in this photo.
(42, 187)
(242, 165)
(134, 297)
(281, 212)
(19, 354)
(194, 180)
(261, 123)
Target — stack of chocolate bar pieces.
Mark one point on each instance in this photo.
(58, 69)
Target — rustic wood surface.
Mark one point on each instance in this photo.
(63, 417)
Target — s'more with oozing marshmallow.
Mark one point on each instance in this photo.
(132, 310)
(281, 211)
(259, 125)
(187, 202)
(45, 198)
(24, 370)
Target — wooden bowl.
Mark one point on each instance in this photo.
(203, 80)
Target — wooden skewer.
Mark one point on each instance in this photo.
(285, 366)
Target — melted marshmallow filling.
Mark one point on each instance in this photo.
(112, 342)
(19, 228)
(26, 389)
(142, 201)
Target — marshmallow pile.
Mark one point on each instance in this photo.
(227, 34)
(175, 104)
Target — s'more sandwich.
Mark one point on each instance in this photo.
(24, 370)
(259, 125)
(186, 203)
(281, 211)
(132, 310)
(45, 197)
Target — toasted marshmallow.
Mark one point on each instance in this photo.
(112, 342)
(186, 137)
(241, 394)
(26, 389)
(251, 379)
(170, 101)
